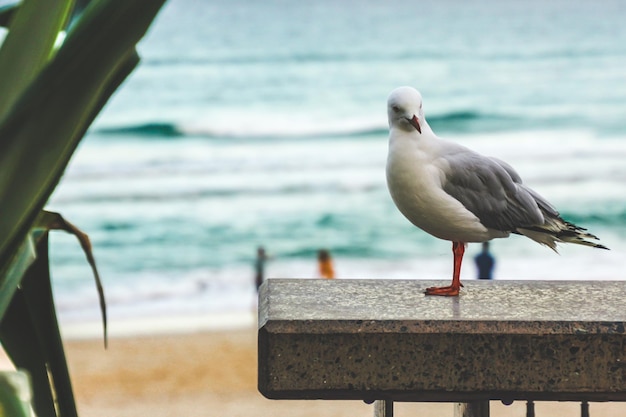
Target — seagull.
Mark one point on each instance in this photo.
(456, 194)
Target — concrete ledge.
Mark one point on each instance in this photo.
(383, 339)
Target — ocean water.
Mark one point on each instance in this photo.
(264, 123)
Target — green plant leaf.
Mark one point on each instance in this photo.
(6, 14)
(29, 329)
(30, 335)
(96, 56)
(11, 274)
(28, 46)
(49, 220)
(49, 113)
(15, 394)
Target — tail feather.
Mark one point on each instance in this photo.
(555, 229)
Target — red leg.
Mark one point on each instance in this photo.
(458, 249)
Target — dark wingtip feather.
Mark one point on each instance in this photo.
(567, 233)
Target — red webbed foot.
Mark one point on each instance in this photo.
(449, 291)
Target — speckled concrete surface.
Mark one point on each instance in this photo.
(384, 339)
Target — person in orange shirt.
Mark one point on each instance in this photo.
(325, 264)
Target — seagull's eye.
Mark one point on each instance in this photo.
(395, 108)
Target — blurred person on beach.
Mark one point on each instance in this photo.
(325, 264)
(485, 263)
(259, 266)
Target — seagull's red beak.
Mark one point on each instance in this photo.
(415, 123)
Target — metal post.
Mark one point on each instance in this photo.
(473, 409)
(584, 409)
(530, 408)
(383, 408)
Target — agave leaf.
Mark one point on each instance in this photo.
(38, 134)
(12, 272)
(38, 184)
(36, 287)
(30, 335)
(6, 14)
(15, 393)
(29, 329)
(21, 342)
(49, 220)
(96, 56)
(29, 44)
(77, 11)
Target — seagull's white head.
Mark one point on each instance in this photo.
(404, 110)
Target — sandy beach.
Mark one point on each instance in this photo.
(213, 373)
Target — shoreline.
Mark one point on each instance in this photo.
(157, 325)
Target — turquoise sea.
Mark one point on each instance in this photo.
(264, 123)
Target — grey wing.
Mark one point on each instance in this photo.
(543, 204)
(493, 192)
